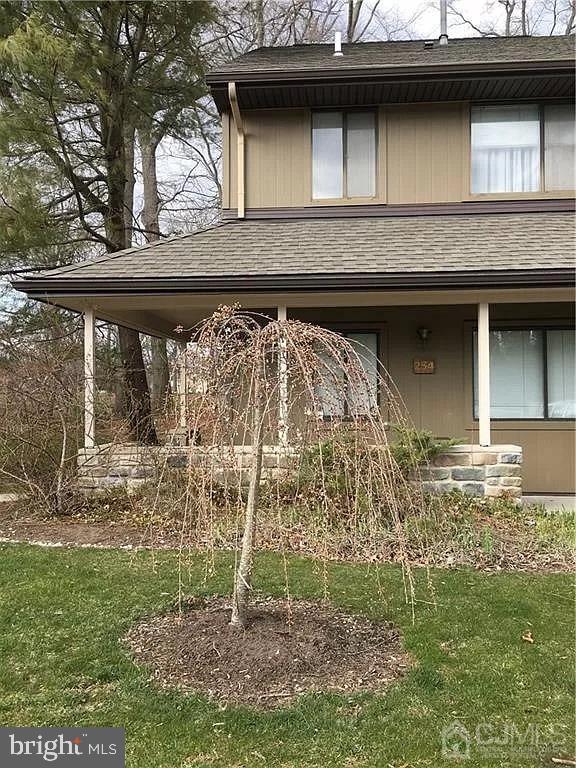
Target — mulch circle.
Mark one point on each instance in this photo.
(287, 649)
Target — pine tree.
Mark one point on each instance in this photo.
(76, 76)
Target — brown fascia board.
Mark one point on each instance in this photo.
(372, 210)
(39, 288)
(392, 73)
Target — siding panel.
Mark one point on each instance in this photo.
(425, 154)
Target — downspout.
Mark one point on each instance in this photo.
(241, 169)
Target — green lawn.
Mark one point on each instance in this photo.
(62, 613)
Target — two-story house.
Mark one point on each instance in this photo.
(416, 196)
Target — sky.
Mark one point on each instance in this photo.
(482, 13)
(428, 23)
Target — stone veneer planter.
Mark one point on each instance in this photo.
(476, 470)
(469, 468)
(130, 465)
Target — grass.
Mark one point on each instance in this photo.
(63, 612)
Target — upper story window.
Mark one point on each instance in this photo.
(522, 148)
(343, 155)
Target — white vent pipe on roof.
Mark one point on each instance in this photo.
(443, 23)
(338, 44)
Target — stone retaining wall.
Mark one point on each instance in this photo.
(469, 468)
(476, 470)
(131, 465)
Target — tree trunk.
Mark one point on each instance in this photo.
(113, 126)
(159, 373)
(524, 18)
(243, 581)
(160, 378)
(258, 10)
(136, 393)
(354, 8)
(130, 183)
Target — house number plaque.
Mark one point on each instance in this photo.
(424, 366)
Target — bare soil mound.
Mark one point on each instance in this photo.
(286, 650)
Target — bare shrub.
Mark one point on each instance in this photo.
(41, 417)
(319, 443)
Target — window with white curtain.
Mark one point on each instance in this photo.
(506, 149)
(343, 155)
(559, 159)
(522, 148)
(338, 397)
(531, 374)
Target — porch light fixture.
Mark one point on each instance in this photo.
(424, 333)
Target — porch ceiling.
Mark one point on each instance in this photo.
(160, 315)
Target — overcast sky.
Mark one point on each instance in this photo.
(481, 13)
(428, 22)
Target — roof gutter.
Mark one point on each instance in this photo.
(514, 278)
(240, 150)
(460, 71)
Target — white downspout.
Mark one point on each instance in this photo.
(182, 385)
(483, 367)
(241, 161)
(282, 382)
(89, 370)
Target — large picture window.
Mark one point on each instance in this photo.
(343, 155)
(531, 374)
(522, 148)
(339, 398)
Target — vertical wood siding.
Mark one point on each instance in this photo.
(420, 157)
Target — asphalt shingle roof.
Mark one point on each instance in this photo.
(413, 244)
(470, 50)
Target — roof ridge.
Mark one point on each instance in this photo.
(411, 41)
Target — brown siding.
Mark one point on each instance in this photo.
(442, 402)
(420, 157)
(423, 157)
(278, 165)
(277, 158)
(425, 153)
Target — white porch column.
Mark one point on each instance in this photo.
(182, 384)
(483, 368)
(282, 383)
(89, 368)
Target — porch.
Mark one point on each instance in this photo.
(472, 311)
(436, 348)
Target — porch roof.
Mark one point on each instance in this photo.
(446, 251)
